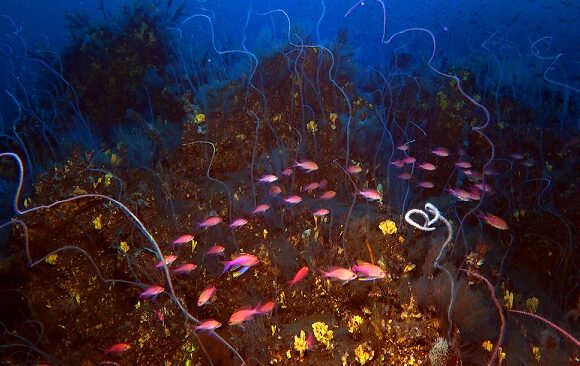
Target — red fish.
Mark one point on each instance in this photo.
(463, 164)
(369, 271)
(299, 276)
(206, 295)
(353, 169)
(237, 223)
(427, 166)
(185, 268)
(183, 239)
(168, 259)
(321, 212)
(266, 308)
(210, 221)
(261, 209)
(328, 195)
(152, 291)
(440, 151)
(293, 200)
(242, 260)
(398, 163)
(310, 187)
(371, 194)
(274, 190)
(207, 324)
(306, 165)
(403, 147)
(216, 249)
(409, 160)
(339, 274)
(118, 349)
(495, 221)
(243, 314)
(287, 172)
(460, 194)
(426, 184)
(268, 178)
(404, 176)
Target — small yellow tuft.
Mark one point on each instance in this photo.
(300, 344)
(388, 227)
(487, 345)
(532, 304)
(97, 223)
(312, 127)
(363, 353)
(322, 334)
(199, 118)
(354, 323)
(51, 259)
(124, 246)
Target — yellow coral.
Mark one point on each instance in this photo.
(532, 304)
(199, 118)
(51, 259)
(322, 334)
(363, 353)
(312, 126)
(388, 227)
(97, 223)
(124, 246)
(354, 323)
(300, 343)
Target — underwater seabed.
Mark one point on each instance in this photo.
(284, 209)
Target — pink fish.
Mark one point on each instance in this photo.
(287, 172)
(237, 223)
(299, 276)
(398, 163)
(310, 187)
(338, 274)
(268, 178)
(474, 194)
(216, 249)
(293, 200)
(185, 268)
(207, 324)
(528, 163)
(206, 295)
(371, 194)
(152, 291)
(328, 195)
(306, 165)
(266, 308)
(440, 151)
(409, 160)
(463, 164)
(117, 349)
(460, 194)
(353, 169)
(274, 190)
(426, 184)
(427, 166)
(495, 221)
(403, 147)
(517, 156)
(322, 184)
(368, 271)
(243, 314)
(168, 259)
(321, 212)
(261, 209)
(210, 221)
(404, 176)
(183, 239)
(241, 260)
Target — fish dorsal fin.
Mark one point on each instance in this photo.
(334, 268)
(245, 307)
(360, 262)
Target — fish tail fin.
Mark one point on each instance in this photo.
(324, 274)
